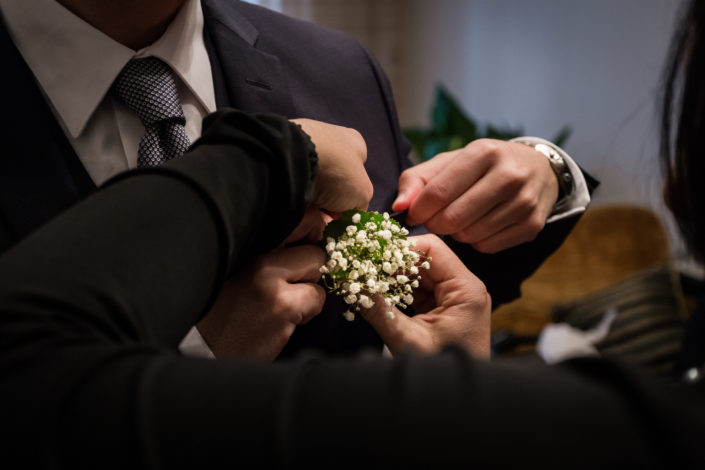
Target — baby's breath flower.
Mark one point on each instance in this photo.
(366, 301)
(368, 255)
(387, 267)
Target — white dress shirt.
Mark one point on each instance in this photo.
(75, 64)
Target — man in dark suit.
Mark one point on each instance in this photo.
(68, 131)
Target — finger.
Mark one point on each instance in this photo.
(390, 324)
(498, 219)
(507, 238)
(466, 209)
(297, 263)
(456, 176)
(410, 185)
(413, 180)
(445, 265)
(309, 230)
(307, 301)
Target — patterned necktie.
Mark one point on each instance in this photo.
(147, 88)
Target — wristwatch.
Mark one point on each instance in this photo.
(560, 169)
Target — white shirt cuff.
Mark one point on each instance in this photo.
(194, 345)
(579, 200)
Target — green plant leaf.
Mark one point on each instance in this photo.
(418, 139)
(448, 118)
(493, 132)
(562, 136)
(453, 128)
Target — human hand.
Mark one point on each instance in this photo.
(342, 181)
(491, 194)
(258, 309)
(310, 229)
(453, 308)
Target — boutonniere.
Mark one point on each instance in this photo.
(370, 257)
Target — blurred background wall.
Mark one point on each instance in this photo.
(535, 64)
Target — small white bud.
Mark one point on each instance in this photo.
(355, 287)
(356, 217)
(348, 315)
(366, 301)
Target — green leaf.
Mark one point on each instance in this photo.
(453, 128)
(418, 139)
(562, 136)
(448, 118)
(493, 132)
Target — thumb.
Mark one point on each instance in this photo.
(410, 185)
(390, 324)
(414, 179)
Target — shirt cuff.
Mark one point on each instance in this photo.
(578, 201)
(194, 345)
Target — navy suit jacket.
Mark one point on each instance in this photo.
(265, 62)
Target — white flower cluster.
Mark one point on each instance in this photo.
(371, 256)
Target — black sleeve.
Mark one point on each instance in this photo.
(92, 305)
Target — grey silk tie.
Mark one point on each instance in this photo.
(147, 88)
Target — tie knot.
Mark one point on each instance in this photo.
(148, 89)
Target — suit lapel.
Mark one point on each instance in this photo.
(244, 76)
(40, 174)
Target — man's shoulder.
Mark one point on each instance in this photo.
(276, 31)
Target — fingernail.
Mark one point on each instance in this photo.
(399, 200)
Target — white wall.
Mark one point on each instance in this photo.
(540, 64)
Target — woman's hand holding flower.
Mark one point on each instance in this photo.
(453, 308)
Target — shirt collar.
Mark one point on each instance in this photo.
(75, 64)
